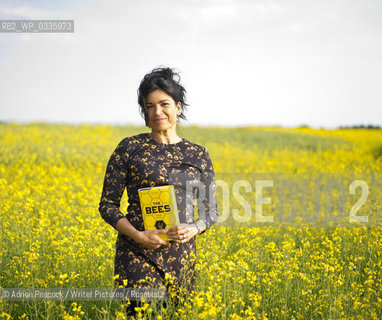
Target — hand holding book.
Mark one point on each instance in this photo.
(150, 239)
(183, 232)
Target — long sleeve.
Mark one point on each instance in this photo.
(114, 185)
(207, 209)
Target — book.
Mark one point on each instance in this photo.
(159, 208)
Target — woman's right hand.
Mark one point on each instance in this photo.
(150, 238)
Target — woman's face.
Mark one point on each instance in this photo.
(161, 111)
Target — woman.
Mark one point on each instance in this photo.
(158, 158)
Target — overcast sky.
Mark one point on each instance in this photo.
(242, 62)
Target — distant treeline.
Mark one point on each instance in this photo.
(358, 126)
(361, 126)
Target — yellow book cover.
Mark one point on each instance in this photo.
(159, 209)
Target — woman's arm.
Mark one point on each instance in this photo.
(113, 188)
(207, 205)
(114, 184)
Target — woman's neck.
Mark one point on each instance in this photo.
(165, 137)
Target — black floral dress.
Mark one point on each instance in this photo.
(140, 161)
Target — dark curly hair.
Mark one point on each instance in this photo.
(167, 80)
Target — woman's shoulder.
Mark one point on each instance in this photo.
(134, 140)
(194, 146)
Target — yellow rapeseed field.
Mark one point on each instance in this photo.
(318, 258)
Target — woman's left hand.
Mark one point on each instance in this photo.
(183, 232)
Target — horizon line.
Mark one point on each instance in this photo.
(127, 124)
